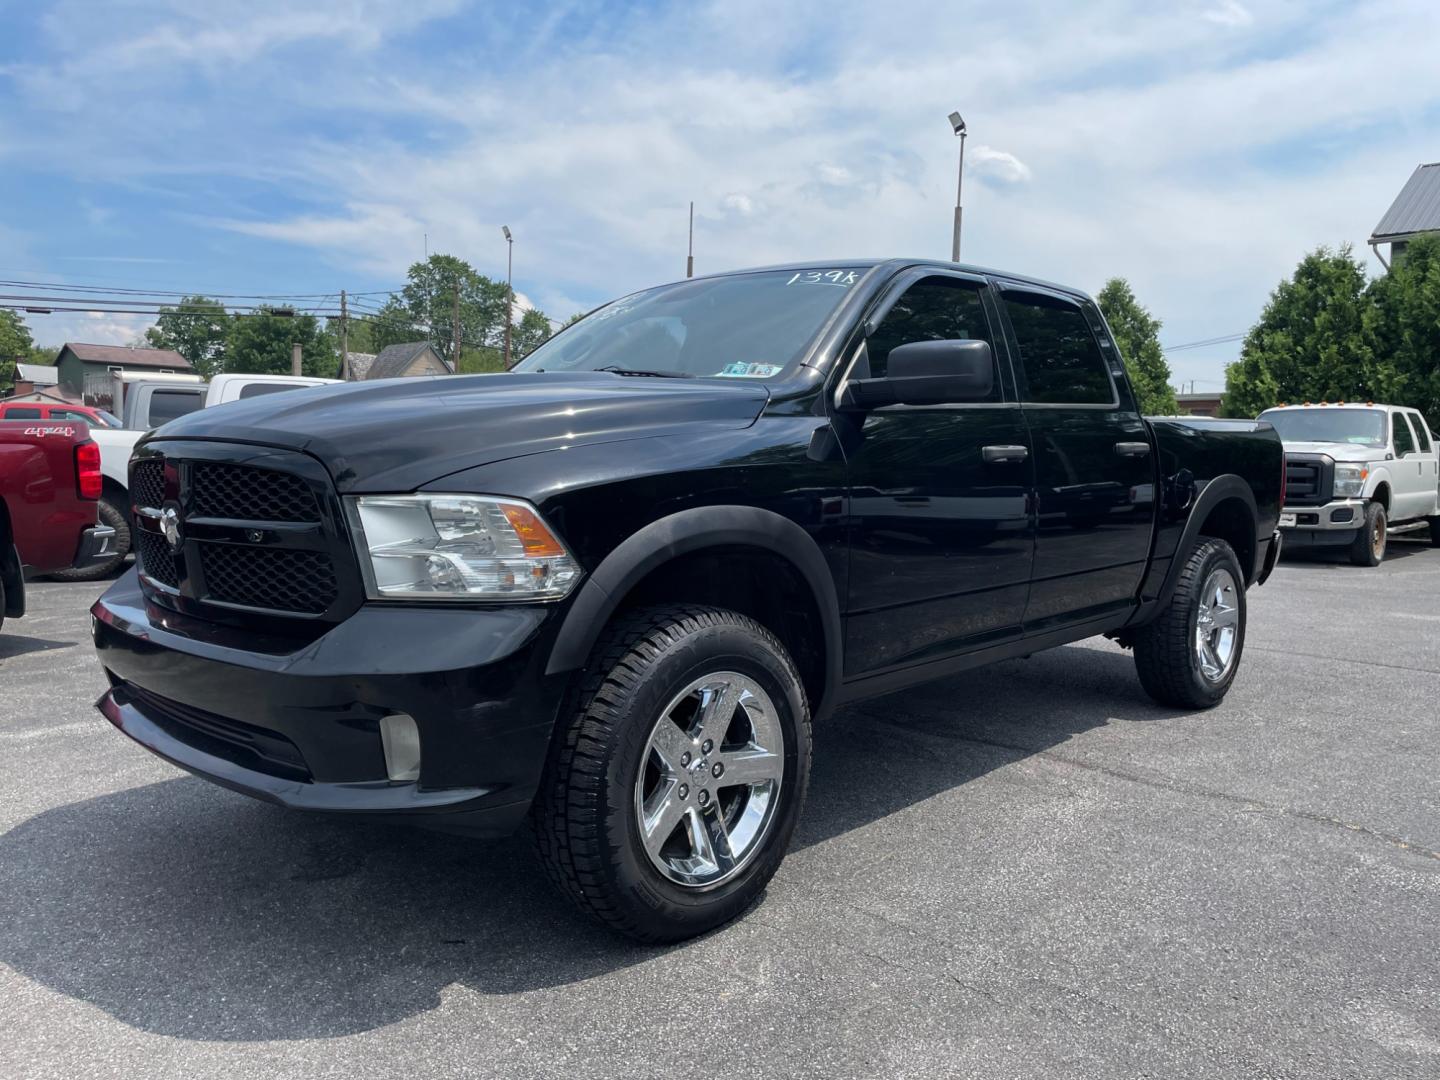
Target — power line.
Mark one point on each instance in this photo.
(62, 287)
(1221, 340)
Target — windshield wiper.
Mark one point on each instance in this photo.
(615, 369)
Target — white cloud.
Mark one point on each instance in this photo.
(92, 327)
(998, 165)
(738, 203)
(1230, 13)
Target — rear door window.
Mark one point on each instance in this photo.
(21, 413)
(1422, 433)
(1060, 357)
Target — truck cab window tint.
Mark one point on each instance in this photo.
(933, 309)
(1062, 361)
(166, 405)
(258, 389)
(21, 414)
(1422, 433)
(1404, 439)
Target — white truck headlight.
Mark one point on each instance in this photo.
(1350, 477)
(458, 547)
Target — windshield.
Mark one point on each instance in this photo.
(109, 419)
(742, 326)
(1360, 427)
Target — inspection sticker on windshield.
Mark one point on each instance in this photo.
(750, 371)
(842, 278)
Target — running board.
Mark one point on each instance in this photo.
(1408, 527)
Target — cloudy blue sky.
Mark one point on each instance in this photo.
(1198, 148)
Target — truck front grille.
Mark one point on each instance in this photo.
(1309, 479)
(222, 528)
(240, 492)
(273, 578)
(156, 558)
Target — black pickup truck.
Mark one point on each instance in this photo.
(611, 591)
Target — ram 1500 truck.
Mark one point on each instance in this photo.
(49, 483)
(1355, 475)
(612, 590)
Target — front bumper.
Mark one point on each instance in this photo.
(298, 724)
(1340, 516)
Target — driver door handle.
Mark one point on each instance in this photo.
(1132, 449)
(998, 455)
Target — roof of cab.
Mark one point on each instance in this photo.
(894, 264)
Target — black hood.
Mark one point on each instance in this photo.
(398, 434)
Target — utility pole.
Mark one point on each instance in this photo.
(509, 289)
(690, 255)
(455, 331)
(958, 125)
(344, 339)
(295, 358)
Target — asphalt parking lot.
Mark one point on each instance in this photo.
(1026, 871)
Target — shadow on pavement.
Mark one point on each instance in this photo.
(185, 910)
(12, 644)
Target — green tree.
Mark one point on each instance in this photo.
(1310, 343)
(1138, 335)
(259, 344)
(480, 361)
(15, 345)
(532, 331)
(430, 296)
(197, 328)
(1402, 324)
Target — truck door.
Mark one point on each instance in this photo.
(940, 533)
(1094, 463)
(1430, 463)
(1414, 484)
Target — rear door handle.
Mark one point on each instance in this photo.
(1132, 449)
(999, 455)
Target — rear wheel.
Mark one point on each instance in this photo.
(1434, 523)
(112, 515)
(670, 798)
(1188, 655)
(1368, 547)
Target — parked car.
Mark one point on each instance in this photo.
(42, 410)
(612, 591)
(49, 484)
(150, 402)
(1356, 474)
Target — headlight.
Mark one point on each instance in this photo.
(1350, 477)
(458, 547)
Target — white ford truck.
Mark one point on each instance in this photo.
(1356, 474)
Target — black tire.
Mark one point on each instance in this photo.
(586, 822)
(1166, 654)
(2, 603)
(1368, 547)
(1434, 523)
(115, 517)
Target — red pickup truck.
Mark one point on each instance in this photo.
(50, 483)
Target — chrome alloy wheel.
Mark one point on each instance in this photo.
(1217, 625)
(710, 783)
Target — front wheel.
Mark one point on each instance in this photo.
(1368, 547)
(672, 791)
(1188, 655)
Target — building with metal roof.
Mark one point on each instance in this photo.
(1416, 210)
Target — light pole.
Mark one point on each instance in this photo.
(958, 124)
(509, 289)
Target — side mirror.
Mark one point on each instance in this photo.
(927, 373)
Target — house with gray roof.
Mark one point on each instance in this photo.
(410, 358)
(1416, 210)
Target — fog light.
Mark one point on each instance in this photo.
(1345, 513)
(401, 739)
